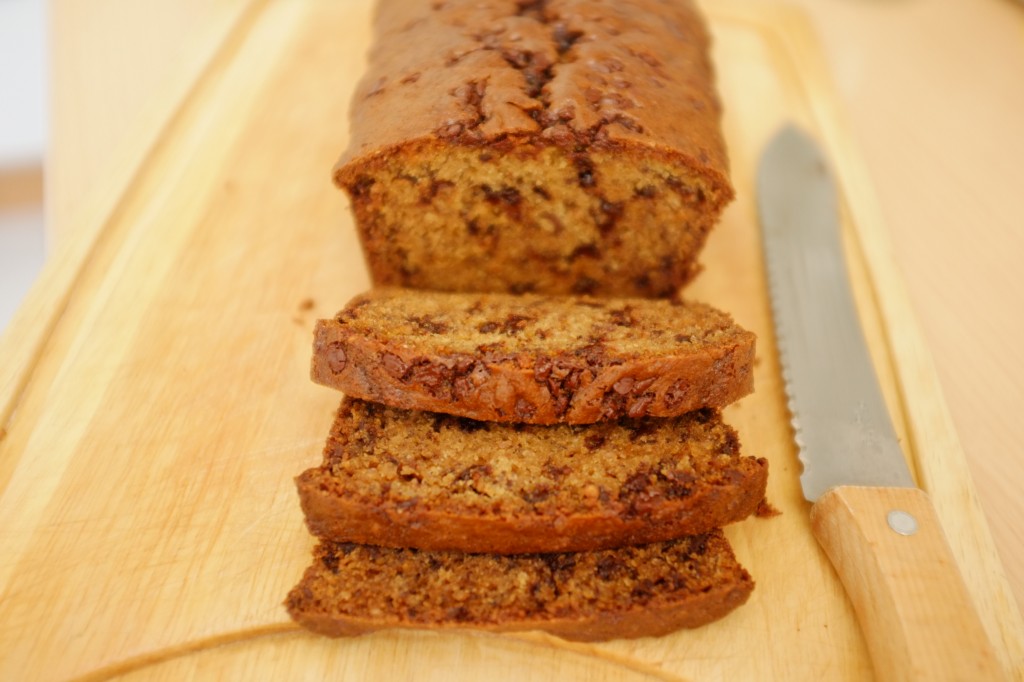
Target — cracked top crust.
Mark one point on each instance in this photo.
(566, 72)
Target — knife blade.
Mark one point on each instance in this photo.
(879, 530)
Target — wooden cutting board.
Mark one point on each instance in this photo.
(155, 399)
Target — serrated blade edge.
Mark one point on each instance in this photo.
(842, 427)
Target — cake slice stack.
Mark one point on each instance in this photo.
(508, 462)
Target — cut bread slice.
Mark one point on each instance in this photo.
(631, 592)
(405, 478)
(534, 359)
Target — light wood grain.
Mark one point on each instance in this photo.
(119, 70)
(933, 97)
(919, 620)
(150, 518)
(934, 103)
(420, 656)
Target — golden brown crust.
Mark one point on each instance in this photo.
(591, 596)
(555, 146)
(402, 478)
(633, 71)
(513, 362)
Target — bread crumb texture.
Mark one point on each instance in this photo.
(629, 592)
(442, 324)
(410, 478)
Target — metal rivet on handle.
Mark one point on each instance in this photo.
(902, 522)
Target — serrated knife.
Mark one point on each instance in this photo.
(879, 530)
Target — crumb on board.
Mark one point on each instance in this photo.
(765, 510)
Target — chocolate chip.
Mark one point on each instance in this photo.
(588, 250)
(643, 590)
(622, 317)
(479, 374)
(676, 394)
(361, 187)
(515, 323)
(336, 357)
(472, 474)
(584, 170)
(429, 324)
(611, 211)
(608, 567)
(624, 385)
(731, 446)
(699, 544)
(524, 410)
(507, 196)
(612, 405)
(642, 385)
(641, 429)
(433, 377)
(459, 614)
(559, 562)
(542, 370)
(393, 365)
(469, 425)
(556, 472)
(638, 408)
(585, 285)
(434, 188)
(565, 38)
(675, 483)
(537, 493)
(330, 562)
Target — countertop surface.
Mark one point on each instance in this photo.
(932, 97)
(935, 101)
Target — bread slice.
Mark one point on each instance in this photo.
(631, 592)
(405, 478)
(533, 359)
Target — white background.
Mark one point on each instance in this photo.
(23, 126)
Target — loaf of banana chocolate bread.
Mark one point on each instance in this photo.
(553, 146)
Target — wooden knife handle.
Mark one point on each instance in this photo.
(911, 601)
